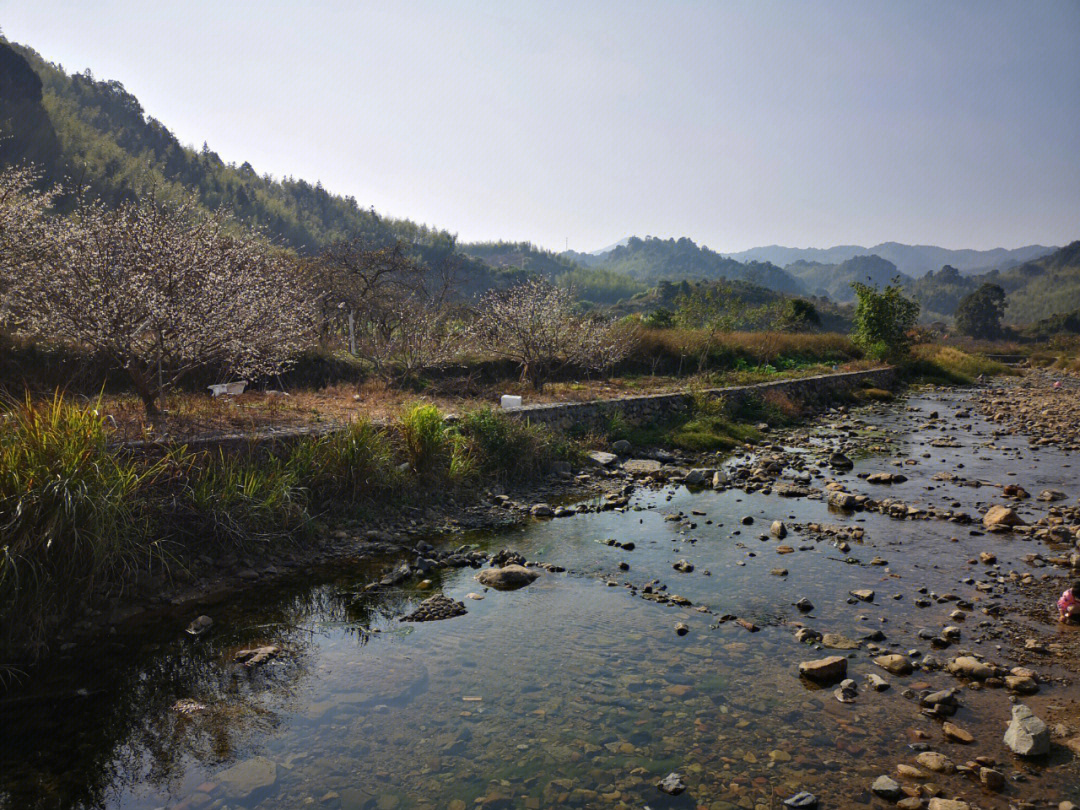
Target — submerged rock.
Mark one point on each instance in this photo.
(247, 777)
(1002, 516)
(200, 626)
(887, 788)
(435, 608)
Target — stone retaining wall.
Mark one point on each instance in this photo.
(597, 414)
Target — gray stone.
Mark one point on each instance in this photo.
(672, 784)
(825, 670)
(1027, 735)
(622, 447)
(247, 777)
(507, 578)
(887, 788)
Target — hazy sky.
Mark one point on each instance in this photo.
(735, 123)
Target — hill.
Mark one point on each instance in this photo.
(652, 260)
(911, 260)
(834, 280)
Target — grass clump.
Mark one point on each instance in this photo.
(508, 449)
(354, 463)
(710, 427)
(71, 517)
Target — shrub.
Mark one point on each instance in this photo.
(883, 320)
(356, 462)
(506, 448)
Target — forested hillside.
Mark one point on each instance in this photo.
(834, 280)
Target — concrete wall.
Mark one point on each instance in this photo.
(596, 414)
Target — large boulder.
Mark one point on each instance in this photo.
(1002, 516)
(1027, 735)
(895, 663)
(969, 667)
(825, 671)
(507, 578)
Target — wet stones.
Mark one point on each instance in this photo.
(824, 671)
(805, 605)
(806, 635)
(863, 595)
(436, 608)
(681, 629)
(957, 734)
(877, 683)
(1027, 735)
(937, 803)
(1050, 495)
(842, 500)
(642, 467)
(803, 800)
(508, 578)
(838, 461)
(672, 784)
(992, 779)
(894, 663)
(542, 510)
(838, 641)
(683, 566)
(778, 529)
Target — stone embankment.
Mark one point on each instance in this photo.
(597, 413)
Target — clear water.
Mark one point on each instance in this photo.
(570, 692)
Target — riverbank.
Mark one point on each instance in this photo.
(472, 710)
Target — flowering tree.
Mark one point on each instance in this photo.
(162, 291)
(23, 230)
(534, 324)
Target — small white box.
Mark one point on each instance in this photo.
(509, 402)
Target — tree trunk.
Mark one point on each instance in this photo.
(147, 393)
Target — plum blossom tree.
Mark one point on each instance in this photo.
(163, 290)
(23, 230)
(535, 324)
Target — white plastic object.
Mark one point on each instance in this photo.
(509, 402)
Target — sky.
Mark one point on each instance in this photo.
(738, 124)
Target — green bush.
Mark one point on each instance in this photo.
(509, 449)
(354, 463)
(884, 320)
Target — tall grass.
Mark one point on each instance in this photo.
(947, 365)
(71, 518)
(510, 450)
(354, 463)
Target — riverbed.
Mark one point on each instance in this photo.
(577, 690)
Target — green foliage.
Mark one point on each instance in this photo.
(425, 439)
(798, 314)
(940, 293)
(946, 365)
(883, 320)
(710, 427)
(354, 463)
(835, 280)
(979, 314)
(660, 318)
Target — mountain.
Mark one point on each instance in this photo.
(911, 260)
(834, 280)
(1042, 288)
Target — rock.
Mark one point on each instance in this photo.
(1052, 495)
(1021, 684)
(864, 595)
(507, 578)
(683, 566)
(255, 656)
(988, 557)
(542, 510)
(842, 500)
(778, 529)
(475, 596)
(247, 777)
(970, 667)
(642, 467)
(839, 461)
(877, 683)
(1002, 516)
(436, 608)
(887, 788)
(807, 635)
(836, 641)
(909, 803)
(895, 663)
(681, 629)
(954, 732)
(825, 671)
(909, 771)
(802, 800)
(602, 459)
(672, 784)
(805, 605)
(847, 691)
(933, 761)
(696, 477)
(200, 626)
(994, 780)
(1027, 735)
(937, 803)
(622, 447)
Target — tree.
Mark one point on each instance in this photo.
(883, 320)
(979, 314)
(162, 290)
(23, 231)
(798, 314)
(535, 325)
